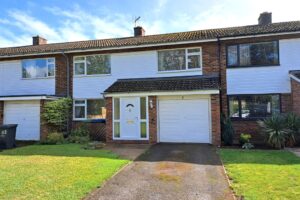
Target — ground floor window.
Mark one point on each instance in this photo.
(89, 109)
(253, 106)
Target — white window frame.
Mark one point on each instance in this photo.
(186, 60)
(85, 65)
(47, 63)
(85, 109)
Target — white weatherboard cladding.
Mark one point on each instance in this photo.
(27, 115)
(123, 66)
(184, 120)
(11, 82)
(261, 80)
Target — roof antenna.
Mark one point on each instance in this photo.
(135, 20)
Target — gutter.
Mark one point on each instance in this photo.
(154, 45)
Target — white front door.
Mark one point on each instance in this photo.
(130, 117)
(27, 115)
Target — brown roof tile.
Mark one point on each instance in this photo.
(291, 26)
(182, 83)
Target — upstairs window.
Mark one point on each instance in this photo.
(253, 106)
(38, 68)
(253, 54)
(179, 59)
(92, 65)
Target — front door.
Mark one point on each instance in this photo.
(130, 117)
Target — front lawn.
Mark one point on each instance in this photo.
(263, 174)
(54, 171)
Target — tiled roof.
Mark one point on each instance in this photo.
(296, 73)
(199, 35)
(182, 83)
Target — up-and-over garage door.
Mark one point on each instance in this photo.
(184, 120)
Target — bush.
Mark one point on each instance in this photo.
(244, 138)
(79, 135)
(56, 113)
(227, 131)
(275, 130)
(292, 122)
(54, 138)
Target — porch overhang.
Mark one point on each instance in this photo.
(183, 85)
(295, 75)
(27, 97)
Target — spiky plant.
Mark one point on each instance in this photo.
(275, 131)
(292, 122)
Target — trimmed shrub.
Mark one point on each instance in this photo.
(54, 138)
(244, 138)
(227, 131)
(79, 135)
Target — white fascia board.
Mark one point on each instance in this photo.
(295, 78)
(195, 92)
(27, 98)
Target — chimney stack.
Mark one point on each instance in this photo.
(37, 40)
(139, 31)
(265, 18)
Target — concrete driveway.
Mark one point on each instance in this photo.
(170, 171)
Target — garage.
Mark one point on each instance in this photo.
(185, 120)
(27, 115)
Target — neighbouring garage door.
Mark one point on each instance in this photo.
(184, 121)
(27, 115)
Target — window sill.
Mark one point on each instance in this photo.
(180, 71)
(247, 119)
(94, 75)
(41, 78)
(90, 120)
(251, 66)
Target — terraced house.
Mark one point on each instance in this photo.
(157, 88)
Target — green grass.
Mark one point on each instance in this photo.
(263, 174)
(54, 171)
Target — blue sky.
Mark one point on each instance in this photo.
(67, 20)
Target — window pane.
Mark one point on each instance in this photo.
(232, 55)
(96, 109)
(36, 68)
(79, 68)
(79, 112)
(143, 107)
(264, 53)
(51, 60)
(116, 108)
(79, 101)
(171, 60)
(256, 106)
(98, 64)
(245, 55)
(143, 129)
(194, 61)
(233, 107)
(117, 129)
(51, 69)
(194, 50)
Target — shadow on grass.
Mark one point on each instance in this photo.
(267, 157)
(66, 150)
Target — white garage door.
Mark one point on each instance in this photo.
(27, 115)
(184, 121)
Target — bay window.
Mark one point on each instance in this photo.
(179, 59)
(89, 109)
(253, 106)
(253, 54)
(92, 65)
(38, 68)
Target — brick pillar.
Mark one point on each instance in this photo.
(44, 129)
(286, 103)
(152, 119)
(295, 96)
(1, 112)
(216, 120)
(109, 119)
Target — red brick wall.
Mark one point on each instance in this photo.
(109, 119)
(44, 129)
(1, 112)
(152, 119)
(61, 75)
(295, 96)
(216, 120)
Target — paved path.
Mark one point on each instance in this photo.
(169, 171)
